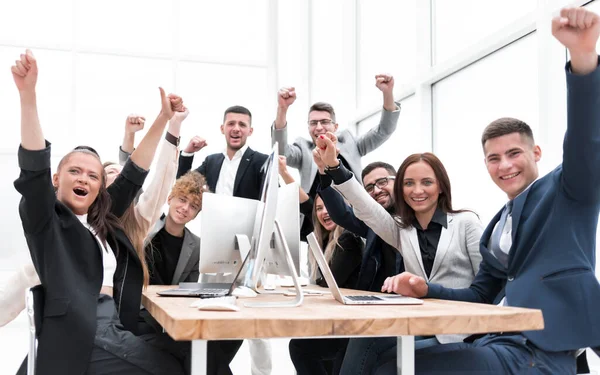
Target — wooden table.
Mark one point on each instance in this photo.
(322, 316)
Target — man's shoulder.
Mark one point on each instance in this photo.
(191, 236)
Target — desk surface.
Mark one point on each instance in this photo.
(324, 316)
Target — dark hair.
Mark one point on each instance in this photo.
(404, 211)
(325, 107)
(375, 165)
(504, 126)
(88, 148)
(100, 217)
(238, 109)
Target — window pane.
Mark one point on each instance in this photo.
(231, 30)
(503, 84)
(28, 23)
(385, 47)
(209, 89)
(406, 140)
(458, 24)
(108, 89)
(134, 26)
(54, 92)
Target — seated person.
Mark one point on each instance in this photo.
(343, 252)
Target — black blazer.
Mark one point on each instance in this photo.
(67, 258)
(249, 177)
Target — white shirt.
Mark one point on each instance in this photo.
(228, 172)
(109, 261)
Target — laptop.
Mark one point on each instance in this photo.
(391, 299)
(205, 290)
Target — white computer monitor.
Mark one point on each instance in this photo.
(269, 245)
(226, 228)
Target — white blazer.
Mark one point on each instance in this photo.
(457, 258)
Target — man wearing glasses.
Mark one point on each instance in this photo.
(321, 119)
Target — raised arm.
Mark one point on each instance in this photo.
(288, 179)
(285, 97)
(196, 144)
(389, 117)
(125, 187)
(133, 124)
(365, 207)
(578, 30)
(149, 206)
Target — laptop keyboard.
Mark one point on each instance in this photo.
(211, 291)
(363, 298)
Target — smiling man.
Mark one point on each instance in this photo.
(236, 171)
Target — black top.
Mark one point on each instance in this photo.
(165, 252)
(345, 263)
(430, 237)
(69, 263)
(388, 264)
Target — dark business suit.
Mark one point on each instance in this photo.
(551, 261)
(248, 179)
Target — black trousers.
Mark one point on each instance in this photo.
(219, 353)
(117, 351)
(317, 356)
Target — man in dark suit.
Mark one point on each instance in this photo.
(539, 250)
(238, 170)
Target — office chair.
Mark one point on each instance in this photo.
(34, 303)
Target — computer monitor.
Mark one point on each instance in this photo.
(227, 225)
(269, 245)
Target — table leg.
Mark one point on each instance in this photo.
(199, 357)
(406, 355)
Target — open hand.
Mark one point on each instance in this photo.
(406, 284)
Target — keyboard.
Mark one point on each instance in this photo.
(207, 301)
(212, 291)
(363, 298)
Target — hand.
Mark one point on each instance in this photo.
(318, 161)
(25, 72)
(134, 123)
(326, 147)
(286, 97)
(170, 104)
(282, 165)
(406, 284)
(180, 115)
(578, 30)
(385, 83)
(196, 144)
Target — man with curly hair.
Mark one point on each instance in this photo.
(173, 254)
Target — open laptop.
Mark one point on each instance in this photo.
(205, 290)
(391, 299)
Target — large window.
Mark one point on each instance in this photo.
(458, 24)
(503, 84)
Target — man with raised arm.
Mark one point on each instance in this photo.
(539, 250)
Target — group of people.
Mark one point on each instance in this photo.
(96, 239)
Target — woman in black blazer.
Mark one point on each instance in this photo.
(75, 239)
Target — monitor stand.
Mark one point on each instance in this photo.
(292, 270)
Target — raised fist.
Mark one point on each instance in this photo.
(384, 82)
(286, 97)
(196, 144)
(25, 72)
(134, 123)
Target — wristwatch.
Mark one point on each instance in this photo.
(172, 139)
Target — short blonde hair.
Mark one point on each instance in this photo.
(191, 185)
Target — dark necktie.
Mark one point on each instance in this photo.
(497, 235)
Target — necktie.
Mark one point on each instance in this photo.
(497, 235)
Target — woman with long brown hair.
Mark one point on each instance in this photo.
(436, 241)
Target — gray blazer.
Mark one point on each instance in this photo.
(457, 259)
(299, 154)
(188, 264)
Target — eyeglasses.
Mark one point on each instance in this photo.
(323, 122)
(380, 183)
